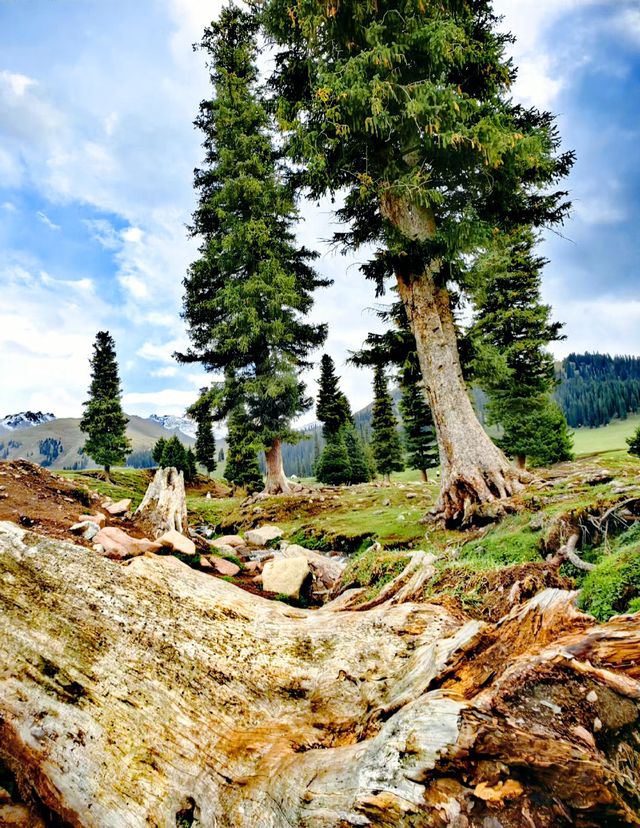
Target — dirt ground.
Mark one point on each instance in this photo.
(37, 499)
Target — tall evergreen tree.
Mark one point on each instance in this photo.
(242, 467)
(332, 407)
(333, 465)
(407, 107)
(511, 331)
(359, 468)
(247, 295)
(419, 431)
(158, 450)
(385, 441)
(206, 441)
(103, 420)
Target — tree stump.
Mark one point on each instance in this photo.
(164, 506)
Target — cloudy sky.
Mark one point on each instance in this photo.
(97, 151)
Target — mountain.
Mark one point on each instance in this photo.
(58, 443)
(183, 424)
(25, 419)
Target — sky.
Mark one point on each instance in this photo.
(97, 152)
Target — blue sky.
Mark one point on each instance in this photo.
(96, 158)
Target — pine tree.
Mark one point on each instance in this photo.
(158, 450)
(419, 431)
(103, 419)
(511, 330)
(385, 440)
(333, 465)
(191, 469)
(359, 470)
(634, 443)
(332, 407)
(242, 467)
(174, 455)
(407, 108)
(247, 295)
(206, 441)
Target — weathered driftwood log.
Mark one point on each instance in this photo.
(152, 694)
(164, 506)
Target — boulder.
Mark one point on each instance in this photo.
(119, 508)
(286, 576)
(263, 535)
(87, 528)
(326, 571)
(98, 518)
(223, 549)
(228, 540)
(253, 567)
(223, 567)
(179, 543)
(116, 544)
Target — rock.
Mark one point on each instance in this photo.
(179, 543)
(253, 566)
(227, 541)
(87, 528)
(19, 816)
(223, 567)
(205, 564)
(263, 535)
(592, 696)
(326, 571)
(118, 545)
(223, 549)
(386, 502)
(208, 495)
(98, 518)
(583, 734)
(286, 576)
(119, 508)
(410, 495)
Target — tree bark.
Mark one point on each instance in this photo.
(276, 482)
(423, 476)
(521, 461)
(474, 471)
(137, 694)
(164, 506)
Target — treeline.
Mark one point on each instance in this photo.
(597, 388)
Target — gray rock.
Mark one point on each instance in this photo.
(286, 576)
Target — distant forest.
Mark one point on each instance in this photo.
(597, 388)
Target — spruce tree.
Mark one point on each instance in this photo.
(242, 467)
(511, 330)
(359, 470)
(332, 407)
(634, 443)
(206, 441)
(385, 440)
(174, 455)
(103, 420)
(333, 465)
(249, 292)
(158, 450)
(406, 107)
(419, 431)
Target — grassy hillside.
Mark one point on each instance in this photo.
(143, 434)
(611, 437)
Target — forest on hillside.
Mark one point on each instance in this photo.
(595, 389)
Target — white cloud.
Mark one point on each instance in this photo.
(16, 83)
(168, 400)
(104, 233)
(44, 218)
(162, 352)
(613, 326)
(9, 207)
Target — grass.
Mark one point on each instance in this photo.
(611, 437)
(613, 587)
(124, 482)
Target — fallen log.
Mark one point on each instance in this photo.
(148, 693)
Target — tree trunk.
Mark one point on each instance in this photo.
(474, 471)
(276, 482)
(152, 694)
(164, 506)
(424, 476)
(521, 461)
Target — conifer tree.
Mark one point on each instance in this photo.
(247, 295)
(511, 331)
(242, 467)
(333, 465)
(634, 443)
(103, 420)
(332, 407)
(174, 455)
(158, 450)
(406, 106)
(206, 441)
(359, 470)
(419, 431)
(385, 440)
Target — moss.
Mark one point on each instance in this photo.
(613, 587)
(371, 568)
(512, 541)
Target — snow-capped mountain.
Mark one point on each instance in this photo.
(173, 423)
(25, 419)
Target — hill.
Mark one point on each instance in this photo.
(58, 444)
